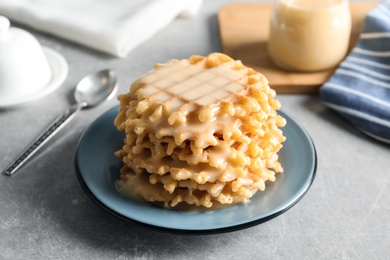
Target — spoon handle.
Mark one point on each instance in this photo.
(45, 136)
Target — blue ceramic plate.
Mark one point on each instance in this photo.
(97, 170)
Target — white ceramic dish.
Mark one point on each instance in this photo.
(59, 69)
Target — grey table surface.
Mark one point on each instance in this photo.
(45, 214)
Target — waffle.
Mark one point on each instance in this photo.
(199, 131)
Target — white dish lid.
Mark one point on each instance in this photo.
(27, 71)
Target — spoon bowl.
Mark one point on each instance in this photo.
(96, 88)
(91, 91)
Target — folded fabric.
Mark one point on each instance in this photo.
(360, 88)
(112, 26)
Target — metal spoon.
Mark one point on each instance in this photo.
(91, 91)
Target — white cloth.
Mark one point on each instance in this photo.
(112, 26)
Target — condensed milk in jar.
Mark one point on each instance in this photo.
(309, 35)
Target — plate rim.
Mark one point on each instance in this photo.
(205, 231)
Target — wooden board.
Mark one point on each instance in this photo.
(244, 29)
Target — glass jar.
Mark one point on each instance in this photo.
(309, 35)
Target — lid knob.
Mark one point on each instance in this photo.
(4, 25)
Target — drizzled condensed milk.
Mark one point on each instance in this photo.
(309, 35)
(199, 131)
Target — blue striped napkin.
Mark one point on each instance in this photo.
(360, 88)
